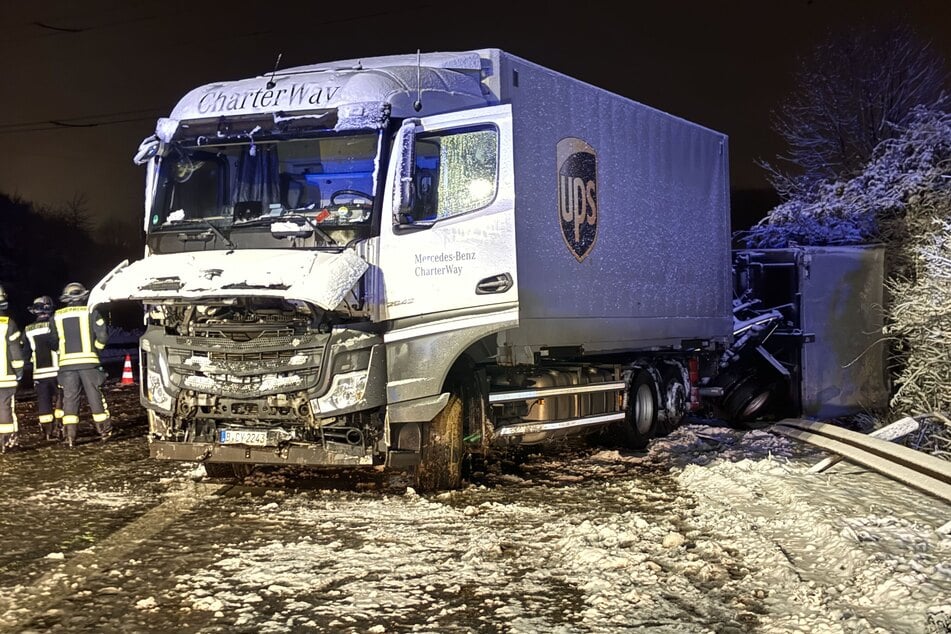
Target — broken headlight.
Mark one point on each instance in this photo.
(346, 391)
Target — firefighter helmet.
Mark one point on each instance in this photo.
(74, 293)
(42, 306)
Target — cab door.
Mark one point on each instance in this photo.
(448, 251)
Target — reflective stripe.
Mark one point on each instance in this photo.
(17, 364)
(58, 413)
(98, 418)
(85, 334)
(76, 359)
(6, 380)
(46, 418)
(3, 351)
(70, 419)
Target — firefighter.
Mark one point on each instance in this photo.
(45, 368)
(78, 334)
(11, 371)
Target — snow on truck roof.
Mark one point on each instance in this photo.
(357, 88)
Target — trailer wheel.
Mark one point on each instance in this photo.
(749, 400)
(640, 420)
(440, 460)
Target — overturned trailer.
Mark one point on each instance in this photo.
(405, 260)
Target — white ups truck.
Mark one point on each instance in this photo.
(408, 260)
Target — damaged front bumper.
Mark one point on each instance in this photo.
(222, 401)
(299, 455)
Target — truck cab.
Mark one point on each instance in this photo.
(273, 206)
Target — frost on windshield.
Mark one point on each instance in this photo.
(455, 173)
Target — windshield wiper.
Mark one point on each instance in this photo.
(219, 233)
(185, 237)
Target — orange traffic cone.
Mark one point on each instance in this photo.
(127, 378)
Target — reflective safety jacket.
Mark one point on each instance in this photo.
(11, 352)
(43, 354)
(78, 334)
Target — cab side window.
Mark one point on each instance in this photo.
(456, 172)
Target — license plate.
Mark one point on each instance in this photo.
(242, 437)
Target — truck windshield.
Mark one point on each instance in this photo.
(330, 179)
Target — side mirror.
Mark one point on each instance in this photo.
(147, 149)
(405, 196)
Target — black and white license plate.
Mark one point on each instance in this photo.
(242, 437)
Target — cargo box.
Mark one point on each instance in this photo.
(622, 217)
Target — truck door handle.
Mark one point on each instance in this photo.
(495, 284)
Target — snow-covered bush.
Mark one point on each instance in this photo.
(920, 317)
(872, 206)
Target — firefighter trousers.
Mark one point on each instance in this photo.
(8, 416)
(49, 406)
(75, 382)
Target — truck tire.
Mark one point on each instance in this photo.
(751, 399)
(640, 420)
(675, 403)
(440, 459)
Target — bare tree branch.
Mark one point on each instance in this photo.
(852, 92)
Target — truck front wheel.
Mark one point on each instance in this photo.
(640, 420)
(440, 460)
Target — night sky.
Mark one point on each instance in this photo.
(83, 82)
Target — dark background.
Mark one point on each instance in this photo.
(83, 82)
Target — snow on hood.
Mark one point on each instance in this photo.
(317, 277)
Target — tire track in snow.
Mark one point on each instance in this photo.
(63, 582)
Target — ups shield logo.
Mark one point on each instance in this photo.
(577, 195)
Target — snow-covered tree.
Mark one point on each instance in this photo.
(879, 204)
(853, 91)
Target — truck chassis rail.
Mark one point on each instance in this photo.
(914, 468)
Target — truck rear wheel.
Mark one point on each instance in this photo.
(675, 403)
(640, 420)
(440, 460)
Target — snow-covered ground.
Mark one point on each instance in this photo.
(712, 530)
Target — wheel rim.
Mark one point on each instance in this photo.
(756, 404)
(643, 409)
